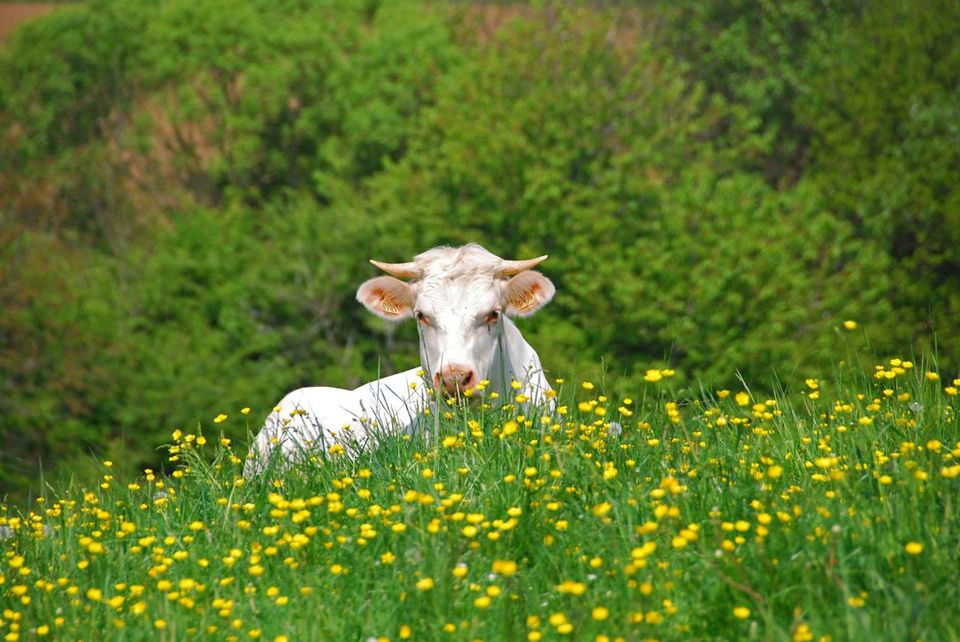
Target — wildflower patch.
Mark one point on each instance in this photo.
(827, 516)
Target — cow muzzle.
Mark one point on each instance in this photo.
(455, 379)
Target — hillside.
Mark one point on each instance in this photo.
(190, 191)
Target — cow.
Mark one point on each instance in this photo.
(463, 299)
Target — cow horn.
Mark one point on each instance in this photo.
(515, 267)
(401, 270)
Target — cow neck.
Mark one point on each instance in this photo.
(516, 360)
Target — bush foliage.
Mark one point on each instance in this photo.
(189, 192)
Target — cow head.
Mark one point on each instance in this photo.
(458, 297)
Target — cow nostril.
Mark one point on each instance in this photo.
(455, 379)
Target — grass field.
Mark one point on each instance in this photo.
(829, 512)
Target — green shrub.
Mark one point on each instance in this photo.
(189, 192)
(58, 354)
(886, 152)
(69, 75)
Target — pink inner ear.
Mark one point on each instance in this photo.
(387, 297)
(525, 300)
(527, 292)
(387, 302)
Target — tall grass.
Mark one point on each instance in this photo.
(825, 513)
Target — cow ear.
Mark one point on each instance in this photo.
(387, 297)
(526, 293)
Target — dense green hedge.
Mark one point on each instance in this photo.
(189, 192)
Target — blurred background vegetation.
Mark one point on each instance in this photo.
(190, 191)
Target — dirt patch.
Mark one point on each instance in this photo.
(13, 13)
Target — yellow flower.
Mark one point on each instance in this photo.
(741, 612)
(503, 567)
(951, 472)
(641, 552)
(742, 399)
(600, 613)
(219, 419)
(426, 584)
(803, 633)
(569, 587)
(600, 510)
(653, 376)
(913, 548)
(850, 325)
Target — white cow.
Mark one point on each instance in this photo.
(461, 298)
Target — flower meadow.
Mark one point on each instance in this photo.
(825, 512)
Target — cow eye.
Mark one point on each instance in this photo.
(422, 318)
(492, 317)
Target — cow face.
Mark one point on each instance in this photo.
(459, 298)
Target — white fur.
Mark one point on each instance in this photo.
(311, 420)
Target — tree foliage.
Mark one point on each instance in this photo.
(189, 192)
